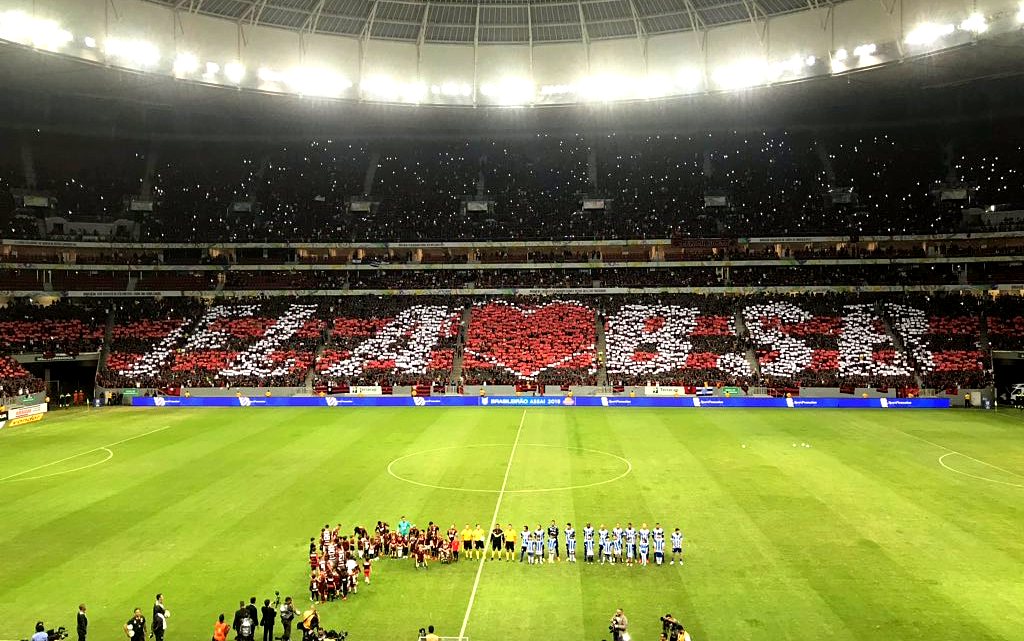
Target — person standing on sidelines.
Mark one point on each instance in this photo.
(287, 616)
(221, 629)
(135, 629)
(267, 616)
(83, 623)
(160, 616)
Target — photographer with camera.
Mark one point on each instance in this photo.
(618, 626)
(671, 627)
(40, 634)
(287, 616)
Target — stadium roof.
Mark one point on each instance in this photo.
(493, 21)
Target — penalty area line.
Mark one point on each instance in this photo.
(494, 519)
(74, 456)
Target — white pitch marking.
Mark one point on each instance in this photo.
(974, 476)
(110, 455)
(629, 469)
(494, 519)
(952, 451)
(95, 449)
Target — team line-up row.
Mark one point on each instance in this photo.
(616, 545)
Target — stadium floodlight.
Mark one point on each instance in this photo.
(928, 32)
(653, 86)
(17, 26)
(865, 50)
(185, 64)
(742, 74)
(452, 89)
(268, 75)
(90, 42)
(132, 51)
(391, 90)
(212, 69)
(557, 90)
(688, 79)
(510, 91)
(975, 23)
(1020, 13)
(234, 71)
(841, 55)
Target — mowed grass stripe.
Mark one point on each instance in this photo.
(863, 534)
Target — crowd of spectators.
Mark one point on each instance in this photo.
(772, 340)
(763, 183)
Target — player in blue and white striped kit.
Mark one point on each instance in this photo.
(538, 545)
(644, 540)
(604, 544)
(677, 547)
(630, 535)
(617, 545)
(588, 543)
(570, 543)
(659, 546)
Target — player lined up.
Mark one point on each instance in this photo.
(342, 558)
(627, 545)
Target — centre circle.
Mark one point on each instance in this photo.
(622, 465)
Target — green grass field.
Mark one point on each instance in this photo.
(865, 534)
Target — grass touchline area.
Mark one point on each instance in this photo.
(892, 525)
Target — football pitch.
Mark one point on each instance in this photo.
(895, 525)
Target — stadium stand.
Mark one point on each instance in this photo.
(680, 341)
(544, 342)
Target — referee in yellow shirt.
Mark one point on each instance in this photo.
(510, 542)
(478, 541)
(467, 541)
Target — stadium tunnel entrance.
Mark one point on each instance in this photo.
(64, 377)
(1008, 370)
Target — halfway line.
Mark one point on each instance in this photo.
(494, 519)
(95, 449)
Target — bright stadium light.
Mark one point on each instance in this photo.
(653, 86)
(268, 75)
(865, 50)
(975, 23)
(134, 52)
(688, 79)
(185, 64)
(742, 74)
(17, 26)
(212, 69)
(509, 91)
(391, 90)
(315, 81)
(1020, 13)
(452, 89)
(90, 42)
(841, 55)
(234, 71)
(928, 32)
